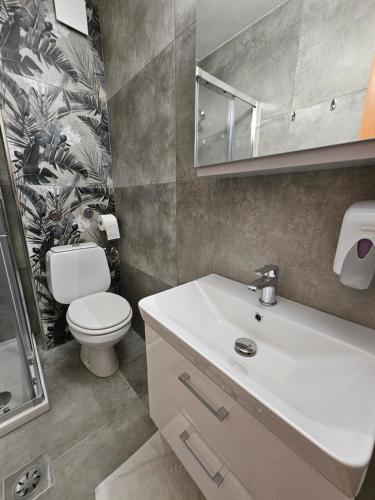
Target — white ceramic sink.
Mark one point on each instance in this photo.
(314, 372)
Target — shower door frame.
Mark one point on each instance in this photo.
(23, 335)
(233, 93)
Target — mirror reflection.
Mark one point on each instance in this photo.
(275, 77)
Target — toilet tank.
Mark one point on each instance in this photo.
(75, 271)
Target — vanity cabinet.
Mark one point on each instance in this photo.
(226, 450)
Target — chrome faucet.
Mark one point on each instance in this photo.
(267, 282)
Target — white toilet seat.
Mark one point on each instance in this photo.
(98, 333)
(98, 322)
(99, 314)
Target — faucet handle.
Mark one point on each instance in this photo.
(269, 271)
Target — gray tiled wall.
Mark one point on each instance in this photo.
(146, 26)
(142, 113)
(176, 227)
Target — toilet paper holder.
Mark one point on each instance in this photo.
(108, 223)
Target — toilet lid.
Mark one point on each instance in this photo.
(99, 311)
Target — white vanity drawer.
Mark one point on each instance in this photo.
(264, 464)
(208, 470)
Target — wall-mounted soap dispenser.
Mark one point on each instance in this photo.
(355, 256)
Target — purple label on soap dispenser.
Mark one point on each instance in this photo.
(363, 248)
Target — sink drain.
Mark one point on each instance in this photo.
(245, 347)
(28, 482)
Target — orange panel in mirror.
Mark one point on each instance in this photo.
(368, 122)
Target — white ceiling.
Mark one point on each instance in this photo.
(220, 20)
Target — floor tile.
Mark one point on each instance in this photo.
(81, 469)
(153, 472)
(80, 404)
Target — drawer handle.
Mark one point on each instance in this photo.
(216, 478)
(220, 414)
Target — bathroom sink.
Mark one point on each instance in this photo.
(312, 378)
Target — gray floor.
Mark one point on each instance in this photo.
(93, 425)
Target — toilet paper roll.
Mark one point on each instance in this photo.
(109, 224)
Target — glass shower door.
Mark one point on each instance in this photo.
(243, 143)
(212, 124)
(19, 378)
(225, 122)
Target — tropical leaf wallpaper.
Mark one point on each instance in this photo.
(53, 103)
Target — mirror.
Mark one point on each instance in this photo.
(282, 76)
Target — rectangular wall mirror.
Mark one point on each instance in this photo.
(267, 85)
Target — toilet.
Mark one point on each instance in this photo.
(79, 275)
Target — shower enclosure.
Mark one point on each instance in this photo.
(22, 391)
(225, 121)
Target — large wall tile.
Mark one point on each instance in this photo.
(317, 126)
(185, 104)
(148, 229)
(283, 17)
(135, 286)
(335, 57)
(261, 61)
(184, 14)
(272, 135)
(231, 227)
(134, 32)
(142, 117)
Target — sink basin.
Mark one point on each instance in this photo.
(314, 373)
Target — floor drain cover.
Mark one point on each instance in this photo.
(28, 483)
(5, 397)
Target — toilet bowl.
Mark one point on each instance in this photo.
(98, 322)
(79, 275)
